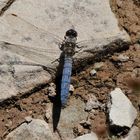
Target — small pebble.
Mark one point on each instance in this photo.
(123, 58)
(93, 72)
(28, 119)
(85, 123)
(71, 89)
(92, 103)
(9, 123)
(99, 65)
(52, 90)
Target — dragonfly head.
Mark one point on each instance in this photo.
(71, 33)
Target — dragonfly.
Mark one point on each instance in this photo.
(40, 55)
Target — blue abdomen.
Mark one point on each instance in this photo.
(65, 82)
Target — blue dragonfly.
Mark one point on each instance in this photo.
(39, 56)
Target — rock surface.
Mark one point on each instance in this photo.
(24, 34)
(93, 20)
(91, 136)
(19, 79)
(35, 130)
(98, 65)
(134, 134)
(71, 115)
(92, 103)
(93, 72)
(121, 112)
(2, 3)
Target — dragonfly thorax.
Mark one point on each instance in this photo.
(69, 48)
(69, 44)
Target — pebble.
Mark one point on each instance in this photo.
(71, 89)
(52, 90)
(48, 114)
(93, 72)
(92, 103)
(99, 65)
(121, 111)
(35, 130)
(28, 119)
(90, 136)
(85, 124)
(123, 58)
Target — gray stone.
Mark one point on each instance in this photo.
(134, 134)
(7, 83)
(2, 3)
(99, 65)
(26, 40)
(85, 123)
(93, 72)
(71, 89)
(92, 103)
(92, 19)
(35, 130)
(123, 58)
(20, 79)
(18, 75)
(91, 136)
(70, 117)
(48, 114)
(121, 111)
(27, 77)
(52, 90)
(28, 119)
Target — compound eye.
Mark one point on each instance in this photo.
(71, 33)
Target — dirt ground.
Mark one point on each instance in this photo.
(113, 73)
(128, 14)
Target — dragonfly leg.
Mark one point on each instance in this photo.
(80, 48)
(56, 60)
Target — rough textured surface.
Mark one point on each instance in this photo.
(121, 112)
(2, 3)
(21, 37)
(7, 82)
(19, 79)
(128, 15)
(92, 103)
(18, 75)
(134, 134)
(113, 73)
(91, 136)
(70, 116)
(93, 20)
(35, 130)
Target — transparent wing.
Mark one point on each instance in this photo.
(28, 40)
(18, 24)
(95, 44)
(88, 45)
(12, 54)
